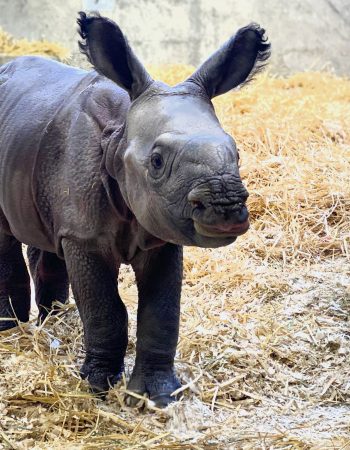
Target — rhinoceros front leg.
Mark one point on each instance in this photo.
(104, 315)
(159, 284)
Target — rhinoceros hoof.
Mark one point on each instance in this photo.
(157, 386)
(101, 375)
(8, 324)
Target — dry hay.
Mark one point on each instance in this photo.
(264, 349)
(11, 47)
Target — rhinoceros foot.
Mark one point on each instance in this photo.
(101, 374)
(157, 386)
(7, 324)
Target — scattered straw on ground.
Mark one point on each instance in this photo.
(9, 46)
(264, 349)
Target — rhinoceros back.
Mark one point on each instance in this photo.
(33, 93)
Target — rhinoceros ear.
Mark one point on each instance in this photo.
(236, 62)
(109, 52)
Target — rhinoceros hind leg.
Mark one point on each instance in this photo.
(14, 284)
(50, 279)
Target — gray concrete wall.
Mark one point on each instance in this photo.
(305, 34)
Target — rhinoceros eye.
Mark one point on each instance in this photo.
(157, 161)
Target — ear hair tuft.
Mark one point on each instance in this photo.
(84, 22)
(236, 62)
(263, 48)
(107, 49)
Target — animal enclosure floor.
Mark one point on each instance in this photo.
(272, 372)
(264, 351)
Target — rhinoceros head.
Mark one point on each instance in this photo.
(177, 168)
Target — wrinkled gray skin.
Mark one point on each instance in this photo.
(110, 167)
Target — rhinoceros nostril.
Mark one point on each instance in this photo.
(196, 204)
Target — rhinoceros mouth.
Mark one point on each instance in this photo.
(227, 230)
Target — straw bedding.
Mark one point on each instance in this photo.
(264, 351)
(10, 46)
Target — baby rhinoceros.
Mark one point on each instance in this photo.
(107, 167)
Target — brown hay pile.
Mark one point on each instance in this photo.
(9, 46)
(264, 350)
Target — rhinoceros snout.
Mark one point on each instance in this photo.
(216, 216)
